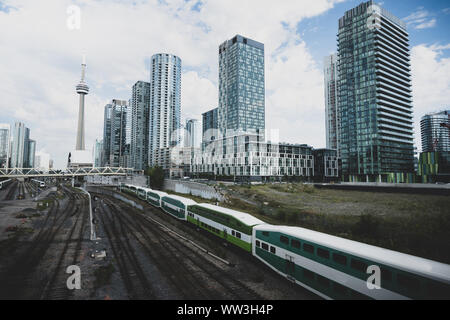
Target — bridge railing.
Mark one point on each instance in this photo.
(70, 172)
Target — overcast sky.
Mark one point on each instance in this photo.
(40, 59)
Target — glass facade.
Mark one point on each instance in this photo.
(165, 104)
(140, 106)
(241, 85)
(374, 94)
(114, 134)
(19, 145)
(5, 140)
(331, 114)
(210, 126)
(435, 130)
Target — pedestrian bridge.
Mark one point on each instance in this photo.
(68, 173)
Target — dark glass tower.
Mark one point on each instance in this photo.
(241, 85)
(374, 95)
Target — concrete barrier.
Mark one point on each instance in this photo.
(194, 188)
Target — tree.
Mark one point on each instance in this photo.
(156, 175)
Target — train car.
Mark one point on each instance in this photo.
(40, 184)
(176, 206)
(337, 268)
(230, 225)
(154, 197)
(129, 189)
(4, 183)
(142, 193)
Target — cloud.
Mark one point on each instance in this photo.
(429, 24)
(431, 82)
(43, 60)
(420, 19)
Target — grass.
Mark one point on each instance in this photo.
(413, 224)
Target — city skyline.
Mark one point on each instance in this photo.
(294, 66)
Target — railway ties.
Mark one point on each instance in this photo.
(56, 288)
(203, 278)
(133, 276)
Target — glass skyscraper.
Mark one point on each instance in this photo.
(241, 85)
(435, 133)
(114, 133)
(331, 112)
(140, 105)
(374, 95)
(210, 126)
(5, 141)
(165, 104)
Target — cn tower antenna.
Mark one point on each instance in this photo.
(82, 90)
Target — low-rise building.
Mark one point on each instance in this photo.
(326, 165)
(249, 157)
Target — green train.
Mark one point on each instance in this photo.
(230, 225)
(331, 267)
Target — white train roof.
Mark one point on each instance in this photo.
(428, 268)
(159, 193)
(185, 201)
(242, 216)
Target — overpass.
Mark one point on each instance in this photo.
(68, 173)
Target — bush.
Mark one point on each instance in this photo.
(367, 226)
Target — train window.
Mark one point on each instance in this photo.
(258, 244)
(339, 258)
(238, 235)
(308, 274)
(273, 250)
(323, 253)
(386, 275)
(265, 233)
(295, 244)
(357, 296)
(284, 240)
(232, 233)
(408, 282)
(359, 265)
(323, 281)
(437, 290)
(308, 248)
(265, 246)
(339, 288)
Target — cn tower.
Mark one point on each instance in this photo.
(82, 90)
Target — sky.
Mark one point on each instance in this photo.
(42, 43)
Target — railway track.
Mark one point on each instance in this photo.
(12, 191)
(56, 288)
(191, 272)
(18, 281)
(136, 282)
